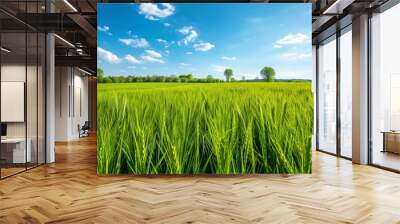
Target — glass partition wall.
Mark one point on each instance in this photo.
(13, 89)
(345, 61)
(22, 77)
(385, 89)
(334, 93)
(327, 95)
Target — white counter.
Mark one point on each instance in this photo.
(19, 154)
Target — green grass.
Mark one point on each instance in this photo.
(221, 128)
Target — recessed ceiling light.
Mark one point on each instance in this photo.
(64, 40)
(5, 50)
(70, 5)
(86, 72)
(337, 7)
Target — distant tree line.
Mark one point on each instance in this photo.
(101, 78)
(268, 74)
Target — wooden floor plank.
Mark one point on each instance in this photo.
(69, 191)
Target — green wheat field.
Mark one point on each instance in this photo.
(198, 128)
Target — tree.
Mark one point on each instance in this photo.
(189, 77)
(210, 78)
(268, 73)
(100, 75)
(243, 78)
(228, 73)
(107, 80)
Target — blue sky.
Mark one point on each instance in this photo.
(204, 39)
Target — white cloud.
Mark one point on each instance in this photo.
(107, 56)
(203, 46)
(189, 53)
(152, 11)
(190, 34)
(191, 37)
(219, 68)
(229, 58)
(135, 42)
(132, 59)
(185, 29)
(277, 46)
(296, 56)
(162, 41)
(184, 64)
(166, 24)
(152, 59)
(103, 28)
(290, 39)
(153, 54)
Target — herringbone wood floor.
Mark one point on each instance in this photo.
(69, 191)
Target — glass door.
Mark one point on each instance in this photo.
(385, 89)
(327, 96)
(346, 92)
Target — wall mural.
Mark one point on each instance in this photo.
(204, 88)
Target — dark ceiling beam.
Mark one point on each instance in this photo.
(89, 30)
(91, 5)
(86, 51)
(45, 22)
(344, 11)
(322, 22)
(78, 61)
(80, 19)
(53, 23)
(206, 1)
(332, 28)
(15, 18)
(83, 23)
